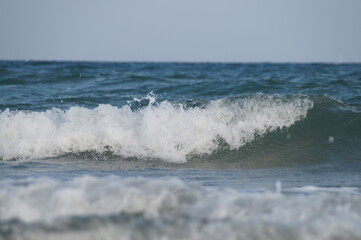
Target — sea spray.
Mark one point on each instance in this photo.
(164, 130)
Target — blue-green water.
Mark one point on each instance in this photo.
(180, 151)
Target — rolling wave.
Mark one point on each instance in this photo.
(259, 129)
(160, 130)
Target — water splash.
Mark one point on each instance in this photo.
(158, 130)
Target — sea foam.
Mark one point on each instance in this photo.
(164, 130)
(169, 209)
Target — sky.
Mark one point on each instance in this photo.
(181, 30)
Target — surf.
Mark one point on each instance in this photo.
(163, 130)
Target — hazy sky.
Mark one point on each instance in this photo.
(181, 30)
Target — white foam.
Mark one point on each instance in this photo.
(172, 206)
(167, 131)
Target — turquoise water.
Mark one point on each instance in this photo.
(180, 151)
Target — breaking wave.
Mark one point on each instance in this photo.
(140, 208)
(145, 128)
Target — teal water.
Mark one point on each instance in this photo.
(43, 85)
(180, 150)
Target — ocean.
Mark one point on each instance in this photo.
(132, 150)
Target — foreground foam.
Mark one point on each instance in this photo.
(160, 130)
(170, 208)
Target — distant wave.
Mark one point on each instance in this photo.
(145, 128)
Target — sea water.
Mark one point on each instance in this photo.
(95, 150)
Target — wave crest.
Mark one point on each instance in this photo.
(164, 130)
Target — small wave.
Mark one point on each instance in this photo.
(114, 207)
(145, 128)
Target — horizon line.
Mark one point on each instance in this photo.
(183, 61)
